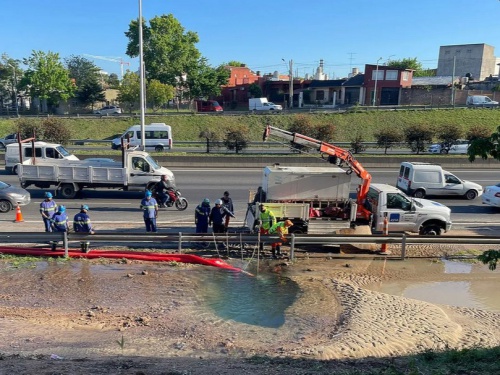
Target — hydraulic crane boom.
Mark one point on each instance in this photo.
(336, 155)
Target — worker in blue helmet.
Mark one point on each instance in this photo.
(82, 224)
(149, 206)
(59, 223)
(201, 214)
(47, 209)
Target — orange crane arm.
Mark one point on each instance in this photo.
(335, 154)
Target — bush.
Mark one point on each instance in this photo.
(49, 129)
(417, 137)
(386, 137)
(236, 139)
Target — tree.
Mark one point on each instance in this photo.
(86, 76)
(357, 145)
(49, 129)
(10, 74)
(158, 94)
(237, 139)
(477, 131)
(448, 135)
(233, 63)
(413, 64)
(130, 90)
(417, 137)
(255, 90)
(47, 78)
(491, 258)
(113, 81)
(91, 92)
(485, 146)
(205, 81)
(211, 138)
(387, 137)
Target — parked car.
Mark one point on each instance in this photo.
(460, 147)
(11, 196)
(11, 138)
(481, 101)
(108, 110)
(491, 195)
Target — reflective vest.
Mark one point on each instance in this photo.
(49, 208)
(267, 219)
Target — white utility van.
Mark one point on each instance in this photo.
(47, 153)
(158, 137)
(481, 101)
(261, 104)
(421, 179)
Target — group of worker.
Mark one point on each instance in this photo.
(268, 224)
(217, 216)
(55, 219)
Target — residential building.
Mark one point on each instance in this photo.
(383, 84)
(476, 61)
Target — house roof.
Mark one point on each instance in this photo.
(356, 80)
(326, 83)
(433, 81)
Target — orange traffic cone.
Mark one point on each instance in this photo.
(385, 232)
(19, 215)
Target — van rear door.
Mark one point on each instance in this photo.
(404, 182)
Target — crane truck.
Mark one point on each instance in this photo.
(302, 198)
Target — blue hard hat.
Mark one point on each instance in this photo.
(62, 209)
(84, 207)
(206, 200)
(148, 193)
(48, 194)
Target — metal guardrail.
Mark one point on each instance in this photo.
(247, 238)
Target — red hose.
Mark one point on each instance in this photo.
(112, 254)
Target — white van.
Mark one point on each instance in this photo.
(46, 153)
(158, 137)
(481, 101)
(421, 179)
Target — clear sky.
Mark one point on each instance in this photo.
(344, 33)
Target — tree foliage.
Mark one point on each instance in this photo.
(386, 137)
(158, 94)
(477, 131)
(413, 64)
(490, 257)
(417, 137)
(236, 139)
(10, 75)
(50, 129)
(255, 90)
(47, 78)
(130, 91)
(485, 146)
(89, 87)
(206, 81)
(211, 138)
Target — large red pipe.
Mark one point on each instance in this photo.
(112, 254)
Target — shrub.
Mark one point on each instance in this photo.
(386, 137)
(417, 137)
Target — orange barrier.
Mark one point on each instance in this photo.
(19, 215)
(385, 232)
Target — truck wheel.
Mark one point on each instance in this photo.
(5, 206)
(431, 230)
(419, 193)
(14, 169)
(68, 191)
(471, 194)
(159, 148)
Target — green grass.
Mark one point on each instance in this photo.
(187, 127)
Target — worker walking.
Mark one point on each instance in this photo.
(281, 229)
(201, 216)
(227, 203)
(59, 223)
(266, 219)
(150, 208)
(82, 224)
(48, 208)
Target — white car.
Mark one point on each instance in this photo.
(491, 195)
(108, 110)
(460, 147)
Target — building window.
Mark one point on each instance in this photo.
(391, 75)
(320, 95)
(377, 75)
(406, 76)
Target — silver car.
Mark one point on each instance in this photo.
(108, 110)
(7, 140)
(11, 196)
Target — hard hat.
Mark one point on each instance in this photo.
(288, 223)
(206, 200)
(62, 209)
(48, 194)
(218, 201)
(148, 193)
(84, 207)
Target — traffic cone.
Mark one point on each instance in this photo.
(19, 215)
(385, 232)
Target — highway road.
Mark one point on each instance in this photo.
(117, 209)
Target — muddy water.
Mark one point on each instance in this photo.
(444, 282)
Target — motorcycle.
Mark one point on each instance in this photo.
(176, 199)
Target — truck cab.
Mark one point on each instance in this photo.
(405, 214)
(143, 170)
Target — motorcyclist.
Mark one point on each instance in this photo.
(164, 189)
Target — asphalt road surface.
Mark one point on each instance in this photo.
(114, 207)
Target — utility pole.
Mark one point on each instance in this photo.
(290, 75)
(374, 101)
(141, 74)
(453, 83)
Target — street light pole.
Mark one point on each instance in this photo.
(374, 101)
(290, 75)
(141, 74)
(15, 87)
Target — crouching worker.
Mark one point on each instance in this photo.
(59, 223)
(281, 229)
(81, 224)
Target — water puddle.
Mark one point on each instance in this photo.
(448, 282)
(260, 300)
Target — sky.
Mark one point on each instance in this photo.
(345, 34)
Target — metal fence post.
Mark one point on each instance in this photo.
(65, 244)
(179, 249)
(292, 247)
(403, 247)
